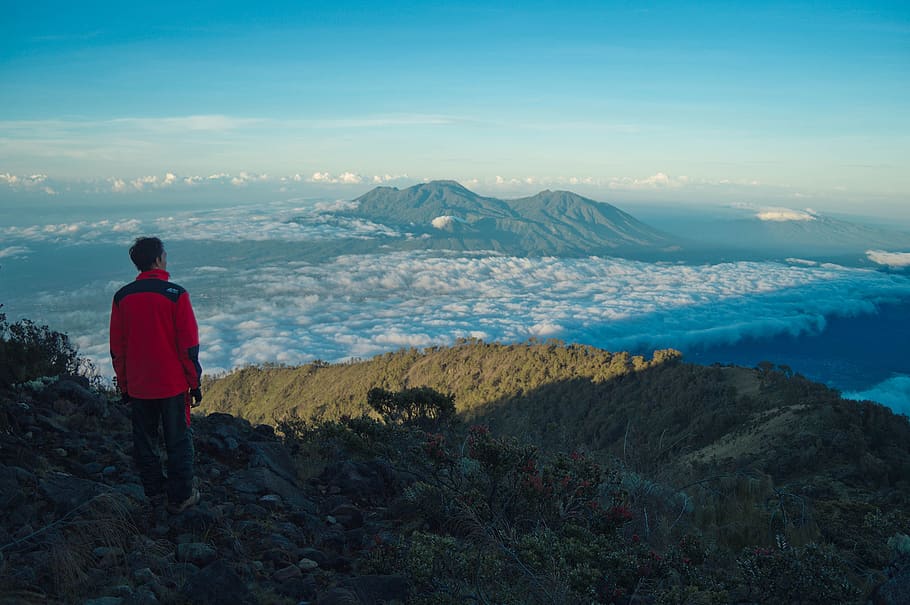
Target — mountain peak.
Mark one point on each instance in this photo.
(549, 222)
(443, 183)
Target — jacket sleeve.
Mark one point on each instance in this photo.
(118, 348)
(188, 341)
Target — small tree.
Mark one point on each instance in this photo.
(421, 406)
(28, 351)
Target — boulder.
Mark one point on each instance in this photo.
(216, 584)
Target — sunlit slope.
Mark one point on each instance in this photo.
(477, 374)
(659, 415)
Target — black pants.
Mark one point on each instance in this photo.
(170, 413)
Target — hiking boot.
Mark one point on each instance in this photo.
(193, 500)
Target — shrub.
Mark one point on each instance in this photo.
(421, 406)
(809, 574)
(29, 351)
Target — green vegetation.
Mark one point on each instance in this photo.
(741, 459)
(30, 351)
(494, 519)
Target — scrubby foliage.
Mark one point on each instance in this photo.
(423, 406)
(490, 518)
(30, 351)
(473, 372)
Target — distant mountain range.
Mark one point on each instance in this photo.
(444, 214)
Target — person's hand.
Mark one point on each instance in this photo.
(196, 395)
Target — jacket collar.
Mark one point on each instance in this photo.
(154, 274)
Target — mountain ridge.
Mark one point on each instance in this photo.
(445, 214)
(549, 392)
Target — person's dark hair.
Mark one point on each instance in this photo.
(145, 251)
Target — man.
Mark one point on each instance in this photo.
(155, 352)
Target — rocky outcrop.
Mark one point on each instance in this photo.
(75, 525)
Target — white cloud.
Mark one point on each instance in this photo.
(387, 178)
(286, 308)
(893, 392)
(280, 221)
(443, 222)
(345, 178)
(802, 261)
(204, 123)
(245, 177)
(891, 259)
(785, 214)
(126, 226)
(30, 182)
(140, 183)
(13, 251)
(660, 180)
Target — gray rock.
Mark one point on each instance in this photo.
(314, 554)
(307, 564)
(287, 573)
(75, 389)
(92, 468)
(104, 601)
(67, 492)
(271, 501)
(144, 575)
(366, 481)
(302, 590)
(348, 515)
(338, 596)
(142, 596)
(274, 457)
(10, 494)
(134, 491)
(196, 519)
(260, 481)
(377, 589)
(121, 590)
(196, 553)
(216, 584)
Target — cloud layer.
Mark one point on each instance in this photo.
(889, 259)
(894, 392)
(258, 302)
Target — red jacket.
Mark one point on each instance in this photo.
(154, 338)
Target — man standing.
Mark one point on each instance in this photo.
(155, 352)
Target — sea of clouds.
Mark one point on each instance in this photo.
(256, 308)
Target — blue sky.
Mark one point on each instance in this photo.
(791, 104)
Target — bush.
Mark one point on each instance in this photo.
(29, 351)
(490, 519)
(421, 406)
(810, 574)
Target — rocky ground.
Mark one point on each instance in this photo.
(75, 526)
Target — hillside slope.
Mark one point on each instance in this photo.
(655, 414)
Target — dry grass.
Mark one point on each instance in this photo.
(768, 427)
(69, 542)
